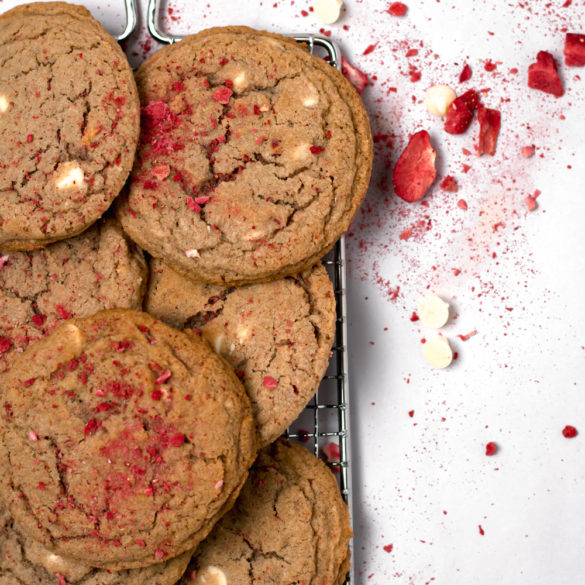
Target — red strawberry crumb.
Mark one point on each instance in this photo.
(370, 48)
(177, 439)
(160, 172)
(356, 77)
(465, 168)
(530, 203)
(193, 205)
(32, 435)
(543, 75)
(163, 377)
(139, 542)
(465, 73)
(491, 449)
(415, 170)
(269, 382)
(414, 317)
(460, 112)
(331, 452)
(160, 554)
(462, 204)
(570, 432)
(29, 138)
(222, 95)
(405, 234)
(527, 151)
(388, 548)
(39, 319)
(61, 579)
(574, 50)
(41, 485)
(449, 183)
(489, 66)
(5, 345)
(62, 312)
(414, 75)
(411, 413)
(489, 128)
(303, 436)
(397, 9)
(481, 530)
(28, 382)
(156, 395)
(91, 427)
(316, 149)
(467, 335)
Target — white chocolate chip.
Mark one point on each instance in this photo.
(192, 253)
(438, 99)
(240, 81)
(243, 333)
(69, 176)
(74, 334)
(301, 152)
(210, 576)
(433, 311)
(438, 352)
(4, 105)
(311, 98)
(327, 11)
(214, 337)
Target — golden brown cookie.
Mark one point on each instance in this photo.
(25, 562)
(289, 526)
(277, 335)
(69, 123)
(122, 440)
(254, 157)
(98, 269)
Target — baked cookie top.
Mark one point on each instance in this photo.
(98, 269)
(69, 123)
(289, 526)
(254, 157)
(277, 335)
(25, 562)
(122, 441)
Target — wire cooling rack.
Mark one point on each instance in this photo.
(326, 417)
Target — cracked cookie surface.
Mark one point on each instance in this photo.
(96, 270)
(253, 159)
(276, 335)
(122, 440)
(25, 562)
(289, 526)
(69, 123)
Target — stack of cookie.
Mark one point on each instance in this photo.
(129, 440)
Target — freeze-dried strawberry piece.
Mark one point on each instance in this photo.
(460, 112)
(543, 75)
(465, 73)
(415, 170)
(489, 128)
(449, 183)
(356, 77)
(574, 50)
(397, 9)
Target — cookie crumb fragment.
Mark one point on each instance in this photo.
(433, 311)
(437, 352)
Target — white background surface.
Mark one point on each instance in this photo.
(423, 483)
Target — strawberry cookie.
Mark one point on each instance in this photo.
(122, 441)
(69, 123)
(277, 335)
(253, 159)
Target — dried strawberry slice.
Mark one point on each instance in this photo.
(415, 170)
(460, 112)
(489, 128)
(397, 9)
(543, 75)
(356, 77)
(465, 73)
(574, 50)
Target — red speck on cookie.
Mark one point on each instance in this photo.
(465, 73)
(28, 382)
(543, 75)
(356, 77)
(489, 128)
(316, 149)
(39, 319)
(415, 171)
(163, 377)
(5, 345)
(491, 449)
(397, 9)
(160, 554)
(449, 183)
(32, 436)
(222, 95)
(460, 112)
(574, 50)
(569, 432)
(61, 579)
(63, 312)
(269, 382)
(177, 439)
(388, 548)
(91, 427)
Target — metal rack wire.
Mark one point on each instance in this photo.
(326, 417)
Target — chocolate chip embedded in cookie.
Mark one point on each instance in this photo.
(122, 441)
(69, 123)
(98, 269)
(277, 335)
(254, 157)
(289, 526)
(25, 562)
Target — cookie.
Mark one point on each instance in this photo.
(25, 562)
(122, 440)
(98, 269)
(69, 123)
(276, 335)
(254, 157)
(289, 526)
